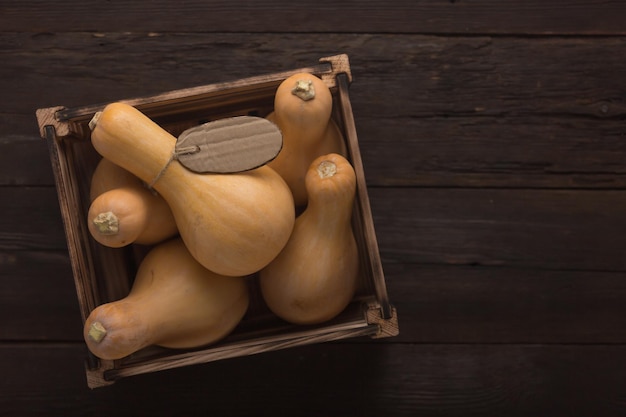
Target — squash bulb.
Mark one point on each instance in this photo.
(314, 277)
(174, 302)
(233, 224)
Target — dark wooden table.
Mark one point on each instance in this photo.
(493, 136)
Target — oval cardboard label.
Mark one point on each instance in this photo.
(229, 145)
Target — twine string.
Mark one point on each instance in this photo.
(176, 152)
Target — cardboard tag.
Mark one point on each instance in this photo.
(229, 145)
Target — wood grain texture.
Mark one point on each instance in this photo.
(503, 151)
(24, 161)
(542, 253)
(429, 75)
(467, 111)
(547, 229)
(368, 380)
(397, 16)
(492, 136)
(30, 219)
(436, 303)
(37, 297)
(464, 304)
(551, 229)
(507, 151)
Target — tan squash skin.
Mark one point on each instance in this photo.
(233, 224)
(308, 131)
(122, 216)
(315, 276)
(174, 302)
(141, 216)
(108, 176)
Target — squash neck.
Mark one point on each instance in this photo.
(303, 132)
(330, 214)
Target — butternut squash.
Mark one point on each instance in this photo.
(233, 224)
(315, 276)
(124, 211)
(108, 176)
(302, 110)
(174, 302)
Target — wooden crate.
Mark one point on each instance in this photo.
(104, 274)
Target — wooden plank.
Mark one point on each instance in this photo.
(435, 303)
(393, 380)
(18, 124)
(404, 16)
(487, 76)
(464, 304)
(395, 76)
(37, 297)
(505, 151)
(24, 161)
(513, 152)
(546, 229)
(553, 121)
(519, 235)
(30, 218)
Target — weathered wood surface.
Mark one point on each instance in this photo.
(468, 111)
(495, 162)
(341, 379)
(438, 303)
(432, 75)
(396, 16)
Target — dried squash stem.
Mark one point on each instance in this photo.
(304, 89)
(97, 331)
(107, 223)
(326, 169)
